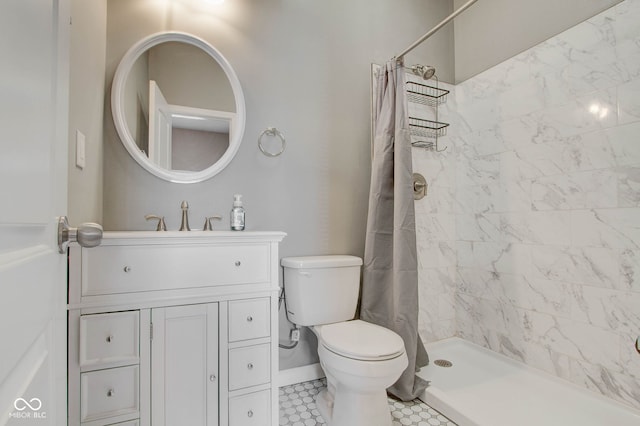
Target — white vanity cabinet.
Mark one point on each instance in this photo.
(174, 328)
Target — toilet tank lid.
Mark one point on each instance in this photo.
(310, 262)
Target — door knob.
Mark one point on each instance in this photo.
(87, 235)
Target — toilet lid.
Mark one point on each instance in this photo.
(361, 340)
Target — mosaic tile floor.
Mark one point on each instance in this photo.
(298, 408)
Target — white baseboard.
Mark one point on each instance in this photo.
(300, 374)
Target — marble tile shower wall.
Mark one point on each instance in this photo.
(547, 206)
(435, 226)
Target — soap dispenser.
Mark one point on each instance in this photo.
(237, 214)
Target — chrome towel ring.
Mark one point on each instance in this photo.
(272, 131)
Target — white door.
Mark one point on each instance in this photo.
(33, 192)
(184, 365)
(160, 127)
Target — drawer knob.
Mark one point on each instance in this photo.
(249, 318)
(212, 377)
(110, 393)
(127, 268)
(250, 366)
(109, 338)
(250, 413)
(238, 263)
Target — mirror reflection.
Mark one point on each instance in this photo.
(179, 106)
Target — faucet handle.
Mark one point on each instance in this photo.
(184, 225)
(161, 225)
(207, 223)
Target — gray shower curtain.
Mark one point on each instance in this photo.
(390, 275)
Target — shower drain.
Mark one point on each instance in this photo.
(442, 363)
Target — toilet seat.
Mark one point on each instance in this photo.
(360, 340)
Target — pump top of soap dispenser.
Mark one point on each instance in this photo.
(237, 202)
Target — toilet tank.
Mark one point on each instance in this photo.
(321, 289)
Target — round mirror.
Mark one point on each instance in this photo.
(178, 107)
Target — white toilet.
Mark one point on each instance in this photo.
(360, 359)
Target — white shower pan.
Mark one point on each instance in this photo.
(484, 388)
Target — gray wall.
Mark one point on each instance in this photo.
(188, 76)
(491, 31)
(86, 103)
(304, 67)
(196, 149)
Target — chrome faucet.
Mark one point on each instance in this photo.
(184, 226)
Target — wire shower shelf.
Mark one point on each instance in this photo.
(426, 95)
(427, 128)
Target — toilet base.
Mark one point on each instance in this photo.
(353, 409)
(324, 406)
(356, 392)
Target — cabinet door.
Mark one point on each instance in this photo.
(184, 365)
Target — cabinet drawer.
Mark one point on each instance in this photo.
(249, 366)
(250, 410)
(249, 319)
(109, 337)
(107, 393)
(127, 269)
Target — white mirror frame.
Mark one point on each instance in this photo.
(117, 108)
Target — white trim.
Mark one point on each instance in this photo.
(305, 373)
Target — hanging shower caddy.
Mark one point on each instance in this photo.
(431, 130)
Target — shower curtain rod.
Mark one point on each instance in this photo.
(436, 28)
